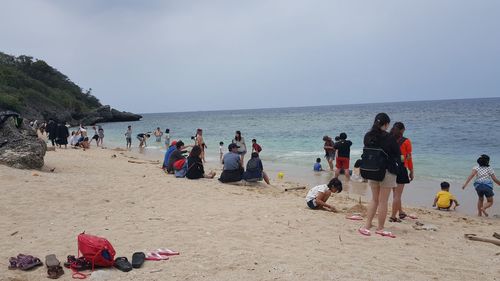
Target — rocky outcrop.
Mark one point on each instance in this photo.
(108, 114)
(19, 145)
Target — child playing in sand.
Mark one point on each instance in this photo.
(221, 152)
(485, 176)
(317, 166)
(318, 195)
(444, 199)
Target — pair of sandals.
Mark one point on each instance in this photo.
(160, 254)
(122, 263)
(366, 232)
(54, 268)
(24, 262)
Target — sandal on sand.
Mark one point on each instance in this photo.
(24, 262)
(54, 269)
(402, 216)
(391, 219)
(355, 218)
(122, 264)
(385, 233)
(364, 231)
(138, 259)
(166, 252)
(154, 256)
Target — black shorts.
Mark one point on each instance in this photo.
(95, 137)
(402, 176)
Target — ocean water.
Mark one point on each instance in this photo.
(447, 136)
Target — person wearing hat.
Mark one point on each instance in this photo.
(233, 166)
(485, 176)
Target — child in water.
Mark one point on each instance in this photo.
(444, 199)
(317, 166)
(485, 176)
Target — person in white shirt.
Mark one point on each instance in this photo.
(318, 195)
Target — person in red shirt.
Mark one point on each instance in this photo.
(255, 146)
(403, 177)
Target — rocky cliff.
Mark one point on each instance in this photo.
(38, 91)
(20, 146)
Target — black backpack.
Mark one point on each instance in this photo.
(373, 163)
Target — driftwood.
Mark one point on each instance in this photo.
(295, 188)
(143, 162)
(474, 237)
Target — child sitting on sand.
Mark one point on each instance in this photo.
(317, 166)
(444, 199)
(318, 195)
(485, 176)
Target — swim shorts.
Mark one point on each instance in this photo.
(311, 204)
(343, 163)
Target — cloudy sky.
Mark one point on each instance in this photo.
(160, 56)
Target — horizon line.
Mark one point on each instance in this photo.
(341, 104)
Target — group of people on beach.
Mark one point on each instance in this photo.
(58, 134)
(192, 167)
(387, 164)
(143, 137)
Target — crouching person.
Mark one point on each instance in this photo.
(317, 196)
(255, 170)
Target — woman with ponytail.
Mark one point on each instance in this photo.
(380, 138)
(402, 178)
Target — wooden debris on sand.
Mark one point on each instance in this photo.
(474, 237)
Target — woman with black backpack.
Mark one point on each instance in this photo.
(384, 146)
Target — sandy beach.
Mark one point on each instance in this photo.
(223, 232)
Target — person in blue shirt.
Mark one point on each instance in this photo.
(171, 149)
(317, 166)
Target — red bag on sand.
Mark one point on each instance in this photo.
(179, 163)
(96, 249)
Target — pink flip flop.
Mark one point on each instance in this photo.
(412, 217)
(355, 218)
(155, 256)
(364, 231)
(385, 233)
(166, 252)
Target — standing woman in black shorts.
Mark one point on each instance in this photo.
(403, 177)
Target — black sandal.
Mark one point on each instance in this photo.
(402, 215)
(391, 219)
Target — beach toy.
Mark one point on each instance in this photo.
(281, 175)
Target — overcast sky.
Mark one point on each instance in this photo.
(161, 56)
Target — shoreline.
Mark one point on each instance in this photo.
(223, 231)
(418, 194)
